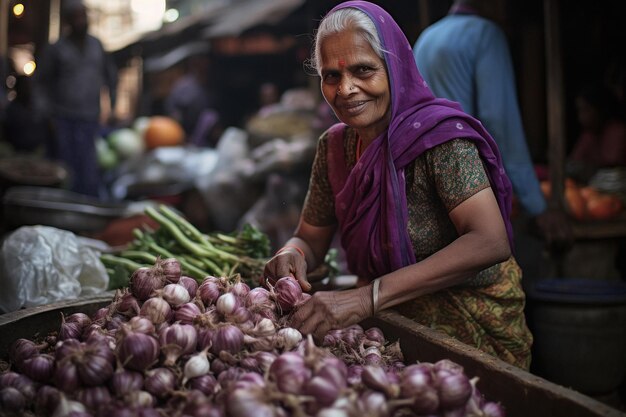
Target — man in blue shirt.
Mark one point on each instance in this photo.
(465, 57)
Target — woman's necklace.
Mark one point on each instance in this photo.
(358, 148)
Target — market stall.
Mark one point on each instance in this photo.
(205, 207)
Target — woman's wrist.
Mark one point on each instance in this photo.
(287, 247)
(375, 291)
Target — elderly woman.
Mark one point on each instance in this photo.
(417, 191)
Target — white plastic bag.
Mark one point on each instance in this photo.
(40, 265)
(229, 190)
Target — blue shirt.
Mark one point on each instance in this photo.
(465, 58)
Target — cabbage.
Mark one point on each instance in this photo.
(141, 124)
(107, 158)
(126, 143)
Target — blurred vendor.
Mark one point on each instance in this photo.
(602, 139)
(70, 75)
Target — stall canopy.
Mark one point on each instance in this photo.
(193, 34)
(235, 20)
(164, 61)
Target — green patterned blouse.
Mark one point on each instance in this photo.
(436, 182)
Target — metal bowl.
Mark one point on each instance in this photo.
(27, 206)
(16, 171)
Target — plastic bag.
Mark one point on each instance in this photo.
(276, 213)
(40, 265)
(231, 187)
(164, 169)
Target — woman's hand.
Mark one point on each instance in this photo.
(302, 253)
(327, 310)
(287, 262)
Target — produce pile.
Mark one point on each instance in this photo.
(244, 252)
(145, 134)
(585, 202)
(170, 347)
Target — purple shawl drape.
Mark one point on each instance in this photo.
(370, 200)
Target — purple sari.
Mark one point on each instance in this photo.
(370, 200)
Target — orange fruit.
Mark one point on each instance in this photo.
(163, 131)
(603, 207)
(575, 202)
(546, 188)
(570, 183)
(588, 192)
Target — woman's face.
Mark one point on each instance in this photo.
(355, 84)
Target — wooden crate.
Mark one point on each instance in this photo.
(523, 394)
(32, 322)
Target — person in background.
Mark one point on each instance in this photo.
(465, 57)
(615, 79)
(602, 139)
(601, 143)
(191, 104)
(417, 191)
(269, 98)
(70, 76)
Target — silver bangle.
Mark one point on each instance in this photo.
(375, 285)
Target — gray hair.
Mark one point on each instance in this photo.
(338, 21)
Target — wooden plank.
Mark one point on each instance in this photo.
(600, 229)
(424, 13)
(555, 107)
(523, 394)
(4, 32)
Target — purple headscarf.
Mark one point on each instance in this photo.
(370, 200)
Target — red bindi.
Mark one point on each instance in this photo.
(342, 63)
